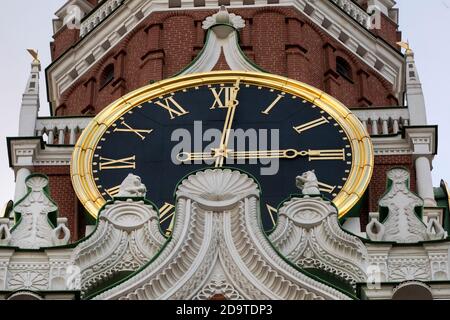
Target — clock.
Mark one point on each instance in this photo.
(268, 126)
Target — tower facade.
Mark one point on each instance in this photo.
(351, 51)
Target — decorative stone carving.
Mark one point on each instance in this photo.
(132, 187)
(29, 279)
(401, 269)
(127, 236)
(218, 247)
(224, 18)
(309, 235)
(308, 184)
(402, 224)
(37, 217)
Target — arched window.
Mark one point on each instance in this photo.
(343, 68)
(107, 75)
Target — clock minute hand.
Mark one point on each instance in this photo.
(231, 106)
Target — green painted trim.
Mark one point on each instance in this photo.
(200, 54)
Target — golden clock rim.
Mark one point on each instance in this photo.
(362, 149)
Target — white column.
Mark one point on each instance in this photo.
(425, 181)
(51, 137)
(73, 133)
(374, 127)
(385, 127)
(61, 136)
(396, 127)
(21, 188)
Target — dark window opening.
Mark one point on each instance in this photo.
(344, 69)
(107, 75)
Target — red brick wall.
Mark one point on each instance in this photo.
(165, 43)
(63, 40)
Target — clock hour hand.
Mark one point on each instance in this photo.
(337, 154)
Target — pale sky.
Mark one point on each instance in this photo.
(28, 24)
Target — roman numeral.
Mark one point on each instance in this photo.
(311, 124)
(272, 213)
(326, 187)
(222, 97)
(273, 104)
(174, 108)
(125, 163)
(138, 132)
(112, 192)
(166, 212)
(338, 154)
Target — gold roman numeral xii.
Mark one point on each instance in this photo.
(125, 163)
(222, 97)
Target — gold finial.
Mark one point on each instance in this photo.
(406, 46)
(35, 55)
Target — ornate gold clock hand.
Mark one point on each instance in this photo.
(336, 154)
(232, 103)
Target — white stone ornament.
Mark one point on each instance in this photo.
(309, 235)
(308, 184)
(224, 18)
(33, 230)
(127, 236)
(402, 224)
(218, 247)
(132, 187)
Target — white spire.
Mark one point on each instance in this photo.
(30, 99)
(414, 92)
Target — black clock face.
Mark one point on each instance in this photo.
(273, 135)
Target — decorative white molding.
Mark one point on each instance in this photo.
(100, 14)
(29, 152)
(217, 242)
(381, 57)
(55, 129)
(127, 236)
(309, 235)
(34, 270)
(383, 121)
(354, 11)
(33, 230)
(402, 224)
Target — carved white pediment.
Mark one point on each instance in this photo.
(309, 235)
(127, 236)
(218, 247)
(402, 223)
